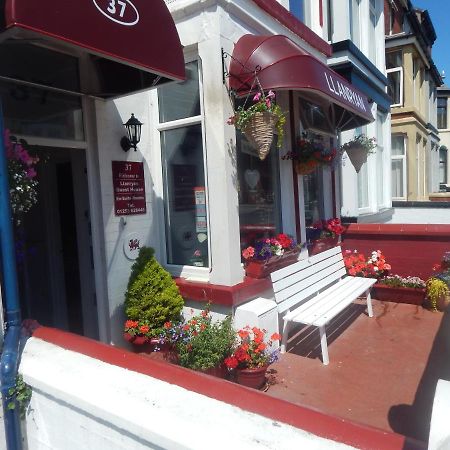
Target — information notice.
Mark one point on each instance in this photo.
(129, 188)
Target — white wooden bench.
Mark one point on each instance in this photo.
(315, 290)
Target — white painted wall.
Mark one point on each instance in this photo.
(439, 430)
(421, 215)
(82, 403)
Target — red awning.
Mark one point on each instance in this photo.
(134, 39)
(280, 64)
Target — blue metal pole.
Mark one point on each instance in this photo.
(10, 353)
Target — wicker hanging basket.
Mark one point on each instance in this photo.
(259, 131)
(304, 169)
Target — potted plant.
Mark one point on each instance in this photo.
(357, 265)
(259, 121)
(358, 149)
(438, 291)
(152, 298)
(323, 235)
(205, 344)
(395, 288)
(252, 356)
(270, 254)
(310, 153)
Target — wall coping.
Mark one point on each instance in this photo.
(398, 230)
(312, 421)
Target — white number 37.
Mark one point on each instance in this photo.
(112, 7)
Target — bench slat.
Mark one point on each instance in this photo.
(286, 271)
(299, 276)
(332, 301)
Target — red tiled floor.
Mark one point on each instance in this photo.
(382, 372)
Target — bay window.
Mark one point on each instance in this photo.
(394, 71)
(398, 167)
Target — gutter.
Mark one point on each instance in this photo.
(10, 356)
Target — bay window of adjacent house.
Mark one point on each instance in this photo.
(443, 155)
(183, 165)
(394, 71)
(442, 112)
(398, 167)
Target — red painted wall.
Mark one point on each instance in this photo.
(409, 249)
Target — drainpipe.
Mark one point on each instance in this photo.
(10, 355)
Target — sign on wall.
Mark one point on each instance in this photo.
(129, 188)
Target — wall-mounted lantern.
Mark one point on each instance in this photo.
(133, 127)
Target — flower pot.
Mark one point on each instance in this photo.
(413, 296)
(259, 131)
(253, 378)
(304, 168)
(442, 303)
(219, 371)
(152, 347)
(322, 244)
(263, 268)
(357, 155)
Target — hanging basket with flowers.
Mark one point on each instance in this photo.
(259, 122)
(310, 153)
(358, 149)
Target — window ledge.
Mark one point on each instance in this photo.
(220, 294)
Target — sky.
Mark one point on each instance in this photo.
(439, 11)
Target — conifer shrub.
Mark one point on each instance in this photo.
(152, 297)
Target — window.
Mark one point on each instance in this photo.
(372, 31)
(394, 71)
(398, 165)
(443, 155)
(314, 117)
(355, 22)
(297, 8)
(442, 112)
(185, 196)
(380, 158)
(259, 192)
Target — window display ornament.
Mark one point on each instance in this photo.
(133, 126)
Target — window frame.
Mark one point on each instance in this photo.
(402, 158)
(185, 271)
(445, 99)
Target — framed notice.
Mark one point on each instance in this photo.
(129, 188)
(200, 210)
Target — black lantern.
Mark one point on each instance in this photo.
(133, 127)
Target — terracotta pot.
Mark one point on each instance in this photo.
(262, 269)
(320, 245)
(412, 296)
(152, 348)
(442, 303)
(253, 378)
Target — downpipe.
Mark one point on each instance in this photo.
(10, 354)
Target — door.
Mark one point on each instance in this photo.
(55, 261)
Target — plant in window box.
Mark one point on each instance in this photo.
(358, 149)
(270, 254)
(152, 299)
(259, 121)
(310, 153)
(398, 289)
(323, 235)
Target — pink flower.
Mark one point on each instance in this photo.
(268, 103)
(31, 173)
(257, 97)
(248, 252)
(271, 94)
(231, 120)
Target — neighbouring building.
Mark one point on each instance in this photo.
(413, 79)
(443, 95)
(193, 189)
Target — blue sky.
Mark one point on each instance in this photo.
(439, 11)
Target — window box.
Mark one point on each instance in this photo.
(412, 296)
(263, 268)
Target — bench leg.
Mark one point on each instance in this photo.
(369, 304)
(324, 345)
(285, 336)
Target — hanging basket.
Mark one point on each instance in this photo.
(304, 169)
(358, 156)
(259, 131)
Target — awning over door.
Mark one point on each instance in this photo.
(280, 64)
(133, 44)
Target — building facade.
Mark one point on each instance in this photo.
(199, 192)
(413, 81)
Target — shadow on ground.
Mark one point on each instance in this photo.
(414, 420)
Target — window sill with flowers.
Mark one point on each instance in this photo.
(323, 235)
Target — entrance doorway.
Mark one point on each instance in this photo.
(55, 262)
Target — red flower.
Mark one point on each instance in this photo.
(275, 337)
(167, 325)
(144, 329)
(131, 324)
(231, 362)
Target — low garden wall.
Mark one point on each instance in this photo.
(91, 395)
(409, 249)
